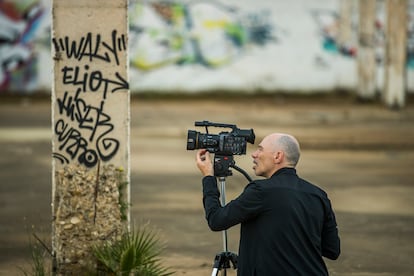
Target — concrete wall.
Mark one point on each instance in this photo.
(235, 45)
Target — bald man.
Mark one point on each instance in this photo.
(287, 223)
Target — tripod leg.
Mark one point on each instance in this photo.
(216, 272)
(216, 266)
(222, 262)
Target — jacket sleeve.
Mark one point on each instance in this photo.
(248, 204)
(331, 247)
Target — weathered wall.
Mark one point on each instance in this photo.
(233, 45)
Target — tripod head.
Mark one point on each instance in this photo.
(222, 165)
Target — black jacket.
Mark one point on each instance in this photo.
(287, 225)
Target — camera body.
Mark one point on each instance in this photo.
(225, 143)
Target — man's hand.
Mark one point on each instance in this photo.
(204, 163)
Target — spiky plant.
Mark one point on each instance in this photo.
(136, 253)
(39, 254)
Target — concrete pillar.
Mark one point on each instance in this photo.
(345, 37)
(90, 122)
(366, 50)
(395, 53)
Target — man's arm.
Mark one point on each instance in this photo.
(244, 207)
(331, 245)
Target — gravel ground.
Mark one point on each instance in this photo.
(361, 154)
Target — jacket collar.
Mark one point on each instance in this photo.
(285, 170)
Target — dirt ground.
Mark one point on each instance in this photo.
(361, 154)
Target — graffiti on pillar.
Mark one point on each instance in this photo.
(19, 21)
(83, 130)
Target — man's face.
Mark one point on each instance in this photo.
(263, 158)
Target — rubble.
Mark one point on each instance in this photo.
(87, 211)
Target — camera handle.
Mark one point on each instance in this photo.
(243, 172)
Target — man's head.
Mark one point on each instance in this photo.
(276, 151)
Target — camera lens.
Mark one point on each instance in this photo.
(192, 140)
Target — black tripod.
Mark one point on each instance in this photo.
(223, 260)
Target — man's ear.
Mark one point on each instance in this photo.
(278, 157)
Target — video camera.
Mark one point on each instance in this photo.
(224, 145)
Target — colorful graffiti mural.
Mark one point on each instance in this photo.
(235, 45)
(19, 20)
(207, 33)
(328, 23)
